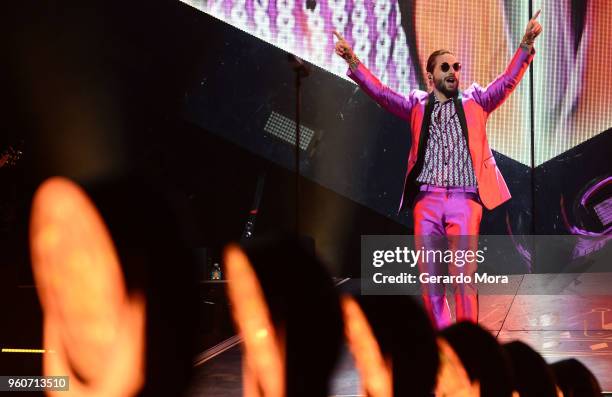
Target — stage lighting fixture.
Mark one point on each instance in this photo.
(604, 211)
(283, 128)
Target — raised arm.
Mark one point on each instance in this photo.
(499, 89)
(383, 95)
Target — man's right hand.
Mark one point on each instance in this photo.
(344, 50)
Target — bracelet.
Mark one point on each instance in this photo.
(526, 45)
(353, 62)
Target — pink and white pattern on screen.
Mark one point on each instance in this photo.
(372, 27)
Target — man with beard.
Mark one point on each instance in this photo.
(451, 170)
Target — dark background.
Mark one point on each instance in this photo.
(160, 93)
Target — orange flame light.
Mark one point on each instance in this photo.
(375, 372)
(263, 362)
(95, 328)
(453, 380)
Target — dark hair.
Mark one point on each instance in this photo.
(409, 340)
(574, 379)
(431, 61)
(532, 376)
(483, 358)
(308, 313)
(127, 204)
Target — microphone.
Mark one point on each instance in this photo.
(298, 65)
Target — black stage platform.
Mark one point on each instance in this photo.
(574, 322)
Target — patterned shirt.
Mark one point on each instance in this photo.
(447, 157)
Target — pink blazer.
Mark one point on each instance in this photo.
(477, 103)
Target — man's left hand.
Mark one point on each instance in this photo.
(532, 31)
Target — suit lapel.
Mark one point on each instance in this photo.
(424, 135)
(462, 120)
(410, 184)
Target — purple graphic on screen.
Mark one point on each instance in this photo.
(372, 27)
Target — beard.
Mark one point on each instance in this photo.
(448, 92)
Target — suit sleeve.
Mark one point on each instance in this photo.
(491, 97)
(390, 100)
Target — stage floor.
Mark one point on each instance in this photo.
(559, 315)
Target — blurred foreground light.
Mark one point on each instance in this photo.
(96, 329)
(263, 364)
(375, 374)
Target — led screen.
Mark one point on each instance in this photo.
(571, 71)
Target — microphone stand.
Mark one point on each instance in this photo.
(301, 70)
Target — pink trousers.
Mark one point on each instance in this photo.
(448, 219)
